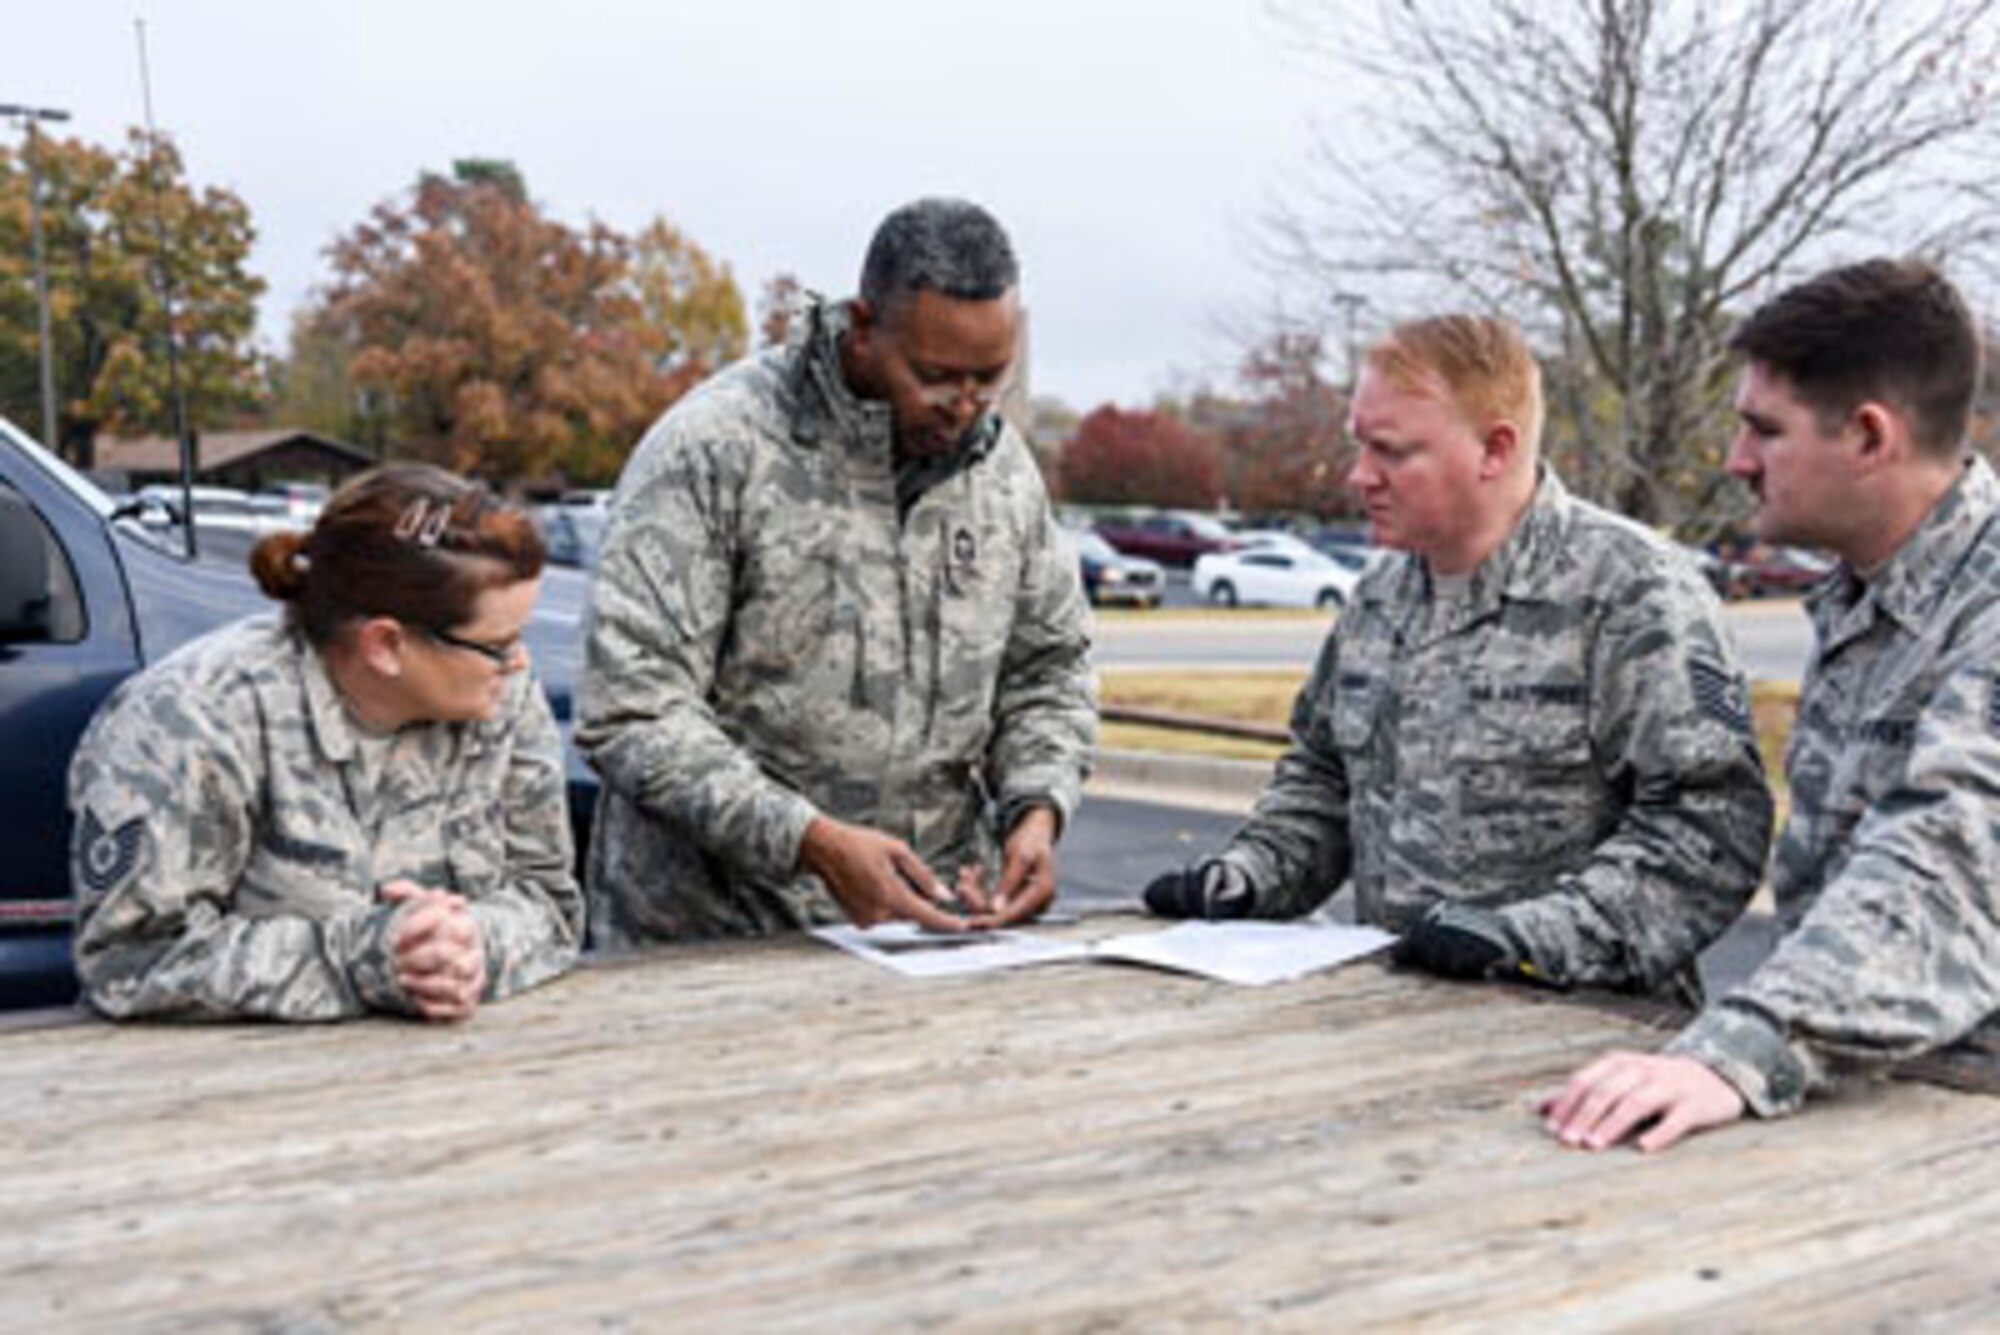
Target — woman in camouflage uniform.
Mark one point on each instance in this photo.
(353, 806)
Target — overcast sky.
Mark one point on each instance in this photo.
(1129, 146)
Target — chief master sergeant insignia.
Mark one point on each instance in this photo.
(109, 855)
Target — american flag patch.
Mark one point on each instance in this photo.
(1720, 695)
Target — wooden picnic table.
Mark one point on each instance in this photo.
(772, 1135)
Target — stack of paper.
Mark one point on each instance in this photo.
(1248, 953)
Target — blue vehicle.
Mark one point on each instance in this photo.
(90, 592)
(1110, 576)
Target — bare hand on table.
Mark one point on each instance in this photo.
(1662, 1098)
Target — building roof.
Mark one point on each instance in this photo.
(215, 449)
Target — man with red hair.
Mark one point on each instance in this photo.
(1527, 742)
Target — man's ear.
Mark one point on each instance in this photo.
(863, 319)
(1882, 436)
(1498, 449)
(378, 642)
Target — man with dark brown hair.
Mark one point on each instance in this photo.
(1855, 401)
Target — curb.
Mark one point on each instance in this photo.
(1214, 783)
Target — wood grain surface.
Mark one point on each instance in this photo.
(773, 1136)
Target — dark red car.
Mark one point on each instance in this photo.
(1174, 538)
(1765, 571)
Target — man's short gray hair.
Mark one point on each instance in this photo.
(951, 246)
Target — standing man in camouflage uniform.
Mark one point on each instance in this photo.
(1526, 740)
(1855, 401)
(837, 649)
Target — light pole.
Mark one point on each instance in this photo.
(31, 117)
(1350, 304)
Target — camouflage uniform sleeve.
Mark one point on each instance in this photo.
(1900, 952)
(532, 926)
(1672, 732)
(1045, 704)
(1297, 847)
(164, 789)
(659, 612)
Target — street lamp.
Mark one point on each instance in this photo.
(1350, 304)
(30, 117)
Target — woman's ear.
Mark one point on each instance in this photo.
(378, 643)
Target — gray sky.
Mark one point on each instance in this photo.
(1129, 146)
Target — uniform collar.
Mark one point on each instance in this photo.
(332, 725)
(825, 406)
(1913, 581)
(1513, 569)
(1510, 570)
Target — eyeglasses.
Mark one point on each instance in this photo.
(500, 655)
(943, 387)
(947, 393)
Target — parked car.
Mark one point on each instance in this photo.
(1765, 571)
(91, 592)
(214, 507)
(1335, 539)
(1174, 538)
(1110, 576)
(1712, 567)
(1352, 558)
(574, 533)
(1271, 539)
(293, 504)
(1274, 575)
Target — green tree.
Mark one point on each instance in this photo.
(313, 387)
(693, 309)
(102, 223)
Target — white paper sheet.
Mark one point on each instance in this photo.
(916, 952)
(1248, 953)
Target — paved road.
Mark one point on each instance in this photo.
(1774, 638)
(1116, 846)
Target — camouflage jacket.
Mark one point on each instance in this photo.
(229, 842)
(1884, 874)
(775, 632)
(1570, 743)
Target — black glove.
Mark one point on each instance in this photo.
(1213, 889)
(1459, 941)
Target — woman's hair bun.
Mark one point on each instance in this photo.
(280, 564)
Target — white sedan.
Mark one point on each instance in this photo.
(1274, 575)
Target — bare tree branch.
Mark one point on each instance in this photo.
(1624, 175)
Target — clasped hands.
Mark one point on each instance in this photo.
(440, 954)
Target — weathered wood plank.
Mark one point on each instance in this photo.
(776, 1136)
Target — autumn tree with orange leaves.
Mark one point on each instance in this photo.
(499, 342)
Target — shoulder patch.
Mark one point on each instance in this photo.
(1720, 694)
(105, 858)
